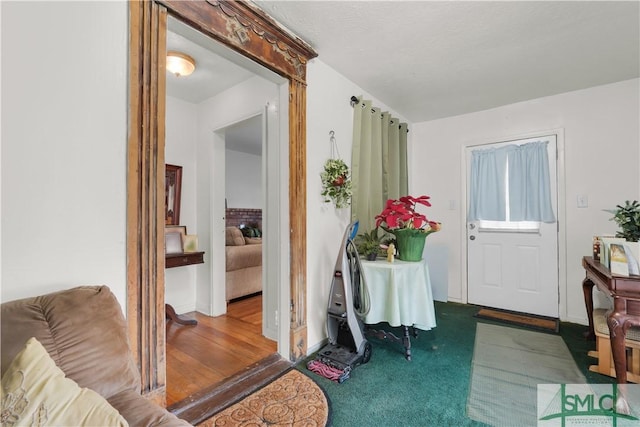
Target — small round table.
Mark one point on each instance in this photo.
(400, 294)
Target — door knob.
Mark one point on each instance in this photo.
(472, 237)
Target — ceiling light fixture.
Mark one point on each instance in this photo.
(180, 64)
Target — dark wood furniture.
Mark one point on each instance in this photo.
(180, 260)
(625, 292)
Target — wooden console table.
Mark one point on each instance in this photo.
(180, 260)
(625, 292)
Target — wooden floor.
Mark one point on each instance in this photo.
(201, 356)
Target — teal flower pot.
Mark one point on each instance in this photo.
(410, 244)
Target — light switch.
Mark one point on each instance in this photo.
(583, 201)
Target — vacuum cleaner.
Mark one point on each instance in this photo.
(348, 304)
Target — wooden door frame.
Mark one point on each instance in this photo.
(246, 29)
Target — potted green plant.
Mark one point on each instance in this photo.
(336, 183)
(368, 244)
(400, 218)
(628, 219)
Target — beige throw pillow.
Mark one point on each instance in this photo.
(35, 392)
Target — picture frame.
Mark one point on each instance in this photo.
(172, 193)
(190, 243)
(182, 229)
(173, 243)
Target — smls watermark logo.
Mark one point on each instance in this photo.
(588, 405)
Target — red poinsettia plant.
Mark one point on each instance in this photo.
(401, 214)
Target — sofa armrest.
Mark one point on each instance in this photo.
(138, 411)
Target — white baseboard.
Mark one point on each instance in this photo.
(316, 347)
(183, 308)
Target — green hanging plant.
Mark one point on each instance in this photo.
(336, 183)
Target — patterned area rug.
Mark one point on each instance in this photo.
(291, 400)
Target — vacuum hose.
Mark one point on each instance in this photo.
(361, 300)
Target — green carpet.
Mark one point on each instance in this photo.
(432, 389)
(508, 364)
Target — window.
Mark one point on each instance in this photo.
(510, 188)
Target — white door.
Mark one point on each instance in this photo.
(514, 265)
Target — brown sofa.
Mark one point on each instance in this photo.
(243, 264)
(84, 331)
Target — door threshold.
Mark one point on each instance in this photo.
(208, 402)
(533, 321)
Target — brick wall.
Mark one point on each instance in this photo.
(249, 217)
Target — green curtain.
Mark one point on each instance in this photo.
(378, 162)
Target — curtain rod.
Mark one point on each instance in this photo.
(354, 100)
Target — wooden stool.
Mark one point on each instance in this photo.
(603, 353)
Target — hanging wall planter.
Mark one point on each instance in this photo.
(336, 181)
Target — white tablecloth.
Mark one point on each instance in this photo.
(400, 293)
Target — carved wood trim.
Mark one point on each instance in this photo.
(246, 29)
(298, 221)
(145, 190)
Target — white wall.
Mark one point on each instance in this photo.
(64, 138)
(328, 108)
(243, 180)
(601, 133)
(233, 105)
(180, 150)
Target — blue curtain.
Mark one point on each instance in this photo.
(527, 167)
(529, 194)
(488, 169)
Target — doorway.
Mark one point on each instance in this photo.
(247, 30)
(216, 128)
(514, 265)
(252, 170)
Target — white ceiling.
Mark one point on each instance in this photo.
(217, 69)
(213, 73)
(433, 59)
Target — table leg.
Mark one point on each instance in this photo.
(587, 290)
(171, 314)
(386, 335)
(617, 337)
(406, 341)
(619, 321)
